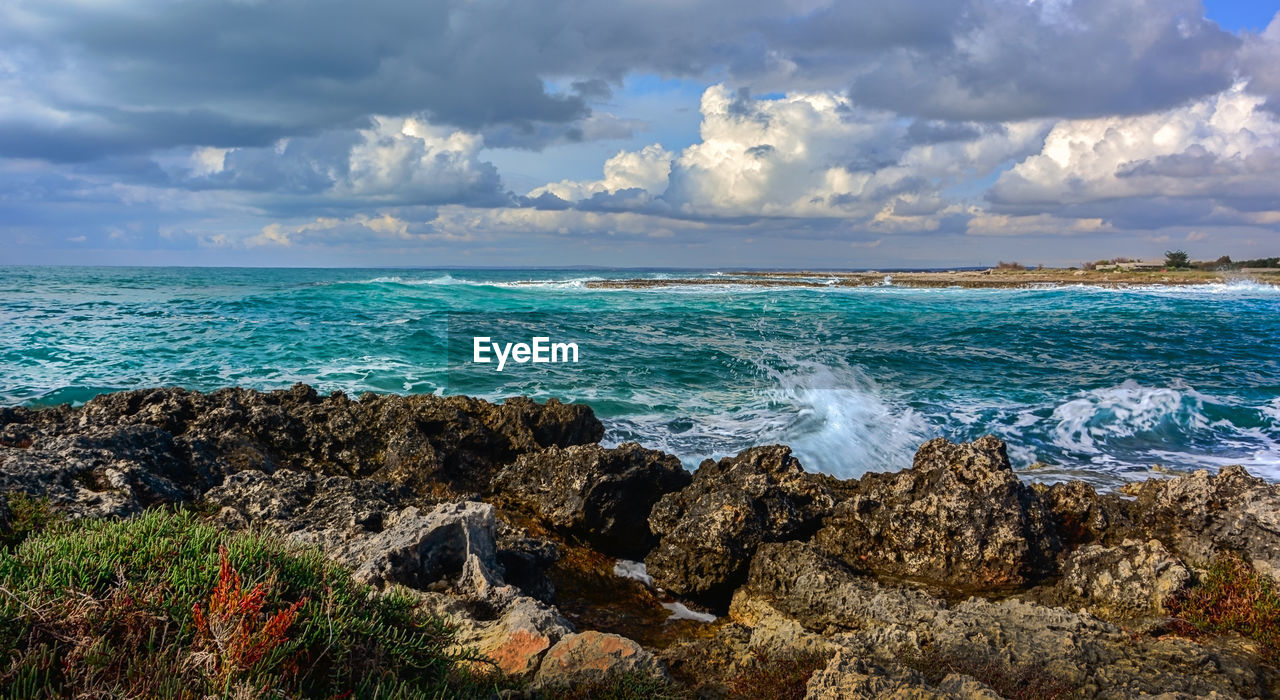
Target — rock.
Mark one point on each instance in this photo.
(710, 529)
(1128, 583)
(519, 638)
(195, 440)
(798, 581)
(1082, 515)
(102, 471)
(847, 676)
(593, 657)
(356, 523)
(959, 517)
(602, 496)
(1199, 515)
(992, 640)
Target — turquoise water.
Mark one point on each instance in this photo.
(1095, 383)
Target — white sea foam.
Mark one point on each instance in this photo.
(1125, 411)
(835, 420)
(680, 612)
(634, 570)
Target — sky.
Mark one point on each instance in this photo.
(653, 133)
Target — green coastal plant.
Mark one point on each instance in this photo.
(1231, 597)
(26, 515)
(167, 606)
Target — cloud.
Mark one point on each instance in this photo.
(85, 80)
(647, 169)
(802, 155)
(394, 161)
(1012, 59)
(1219, 152)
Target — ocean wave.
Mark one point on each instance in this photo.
(1125, 411)
(835, 420)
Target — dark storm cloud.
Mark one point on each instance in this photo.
(131, 75)
(1012, 59)
(933, 131)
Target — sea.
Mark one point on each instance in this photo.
(1107, 385)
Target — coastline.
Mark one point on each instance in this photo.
(513, 522)
(969, 279)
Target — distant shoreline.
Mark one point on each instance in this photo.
(973, 279)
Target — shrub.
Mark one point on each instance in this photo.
(1002, 265)
(166, 606)
(1016, 682)
(776, 675)
(1230, 597)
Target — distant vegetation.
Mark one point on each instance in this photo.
(1179, 260)
(1176, 259)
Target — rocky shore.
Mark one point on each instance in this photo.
(951, 579)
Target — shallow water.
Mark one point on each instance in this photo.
(1095, 383)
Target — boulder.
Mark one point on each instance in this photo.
(517, 640)
(1081, 515)
(1127, 583)
(1199, 515)
(594, 657)
(102, 471)
(959, 517)
(602, 496)
(356, 523)
(709, 530)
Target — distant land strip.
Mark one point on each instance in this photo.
(974, 279)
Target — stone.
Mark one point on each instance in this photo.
(602, 496)
(1081, 515)
(1199, 515)
(357, 523)
(959, 517)
(593, 657)
(1127, 583)
(103, 471)
(885, 623)
(517, 640)
(187, 441)
(847, 676)
(709, 530)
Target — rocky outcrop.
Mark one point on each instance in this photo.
(710, 529)
(1128, 583)
(884, 623)
(1081, 515)
(475, 508)
(101, 470)
(602, 496)
(959, 517)
(1199, 515)
(125, 451)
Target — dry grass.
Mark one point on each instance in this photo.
(1015, 682)
(1231, 597)
(783, 676)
